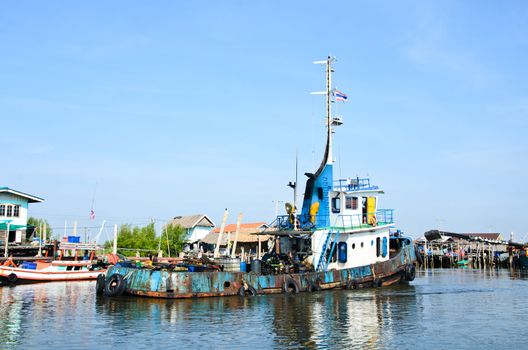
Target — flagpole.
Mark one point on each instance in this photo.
(92, 213)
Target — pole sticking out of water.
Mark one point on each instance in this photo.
(219, 241)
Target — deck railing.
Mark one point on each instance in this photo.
(344, 185)
(342, 222)
(358, 221)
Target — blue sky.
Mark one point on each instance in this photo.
(175, 108)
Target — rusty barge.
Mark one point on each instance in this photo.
(339, 239)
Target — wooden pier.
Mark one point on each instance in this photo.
(446, 250)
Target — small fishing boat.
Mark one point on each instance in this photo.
(340, 239)
(70, 266)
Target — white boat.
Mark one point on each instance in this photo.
(70, 266)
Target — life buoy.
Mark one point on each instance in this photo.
(115, 286)
(100, 284)
(410, 272)
(12, 278)
(247, 290)
(290, 286)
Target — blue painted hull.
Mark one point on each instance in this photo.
(168, 284)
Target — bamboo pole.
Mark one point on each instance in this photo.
(168, 245)
(259, 246)
(114, 251)
(239, 220)
(45, 233)
(40, 241)
(219, 241)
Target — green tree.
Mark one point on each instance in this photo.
(131, 238)
(175, 236)
(40, 223)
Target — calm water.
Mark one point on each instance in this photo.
(441, 309)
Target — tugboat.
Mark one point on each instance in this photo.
(340, 239)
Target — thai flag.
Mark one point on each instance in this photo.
(92, 215)
(339, 96)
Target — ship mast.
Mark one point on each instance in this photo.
(329, 71)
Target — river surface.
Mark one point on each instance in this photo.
(440, 309)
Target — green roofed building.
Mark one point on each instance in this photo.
(14, 214)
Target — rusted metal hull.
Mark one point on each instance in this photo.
(173, 285)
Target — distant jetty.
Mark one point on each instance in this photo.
(441, 249)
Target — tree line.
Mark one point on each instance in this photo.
(134, 238)
(144, 240)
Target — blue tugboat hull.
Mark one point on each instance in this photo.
(174, 285)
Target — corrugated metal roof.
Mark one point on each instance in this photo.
(249, 227)
(492, 236)
(191, 221)
(243, 237)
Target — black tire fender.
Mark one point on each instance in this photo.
(290, 286)
(115, 286)
(249, 291)
(377, 283)
(100, 284)
(12, 278)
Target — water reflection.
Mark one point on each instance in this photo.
(437, 310)
(352, 319)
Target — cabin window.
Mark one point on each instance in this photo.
(361, 244)
(378, 247)
(336, 205)
(342, 252)
(351, 203)
(384, 247)
(2, 210)
(9, 211)
(16, 211)
(353, 245)
(320, 193)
